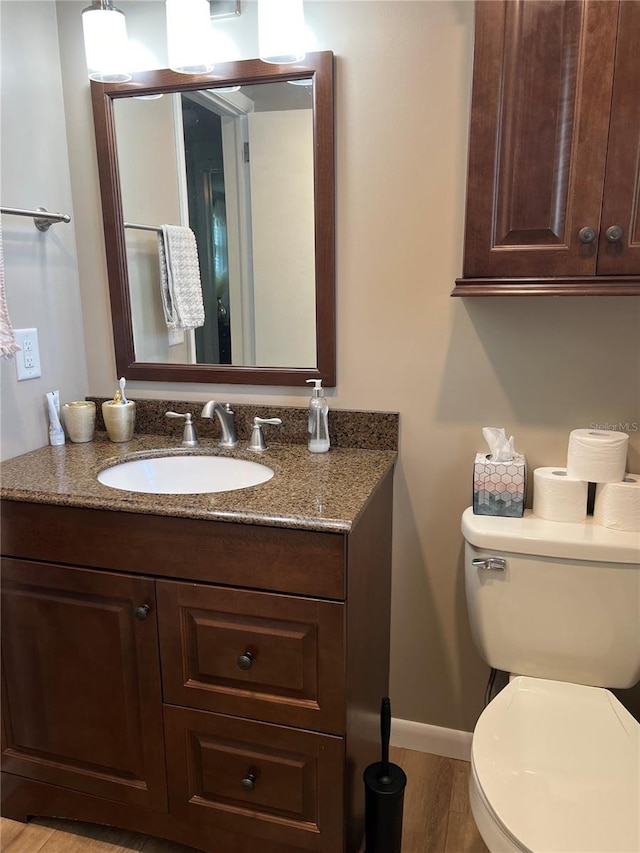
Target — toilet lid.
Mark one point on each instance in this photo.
(559, 766)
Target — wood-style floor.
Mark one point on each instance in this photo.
(437, 819)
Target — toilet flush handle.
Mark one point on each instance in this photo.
(492, 564)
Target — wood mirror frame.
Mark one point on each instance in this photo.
(318, 66)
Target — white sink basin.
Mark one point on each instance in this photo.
(184, 475)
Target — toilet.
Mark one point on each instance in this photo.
(555, 756)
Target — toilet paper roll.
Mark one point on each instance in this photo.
(597, 456)
(558, 497)
(618, 504)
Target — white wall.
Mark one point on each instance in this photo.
(150, 196)
(282, 222)
(41, 270)
(538, 367)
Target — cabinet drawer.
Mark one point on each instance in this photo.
(253, 654)
(301, 562)
(257, 779)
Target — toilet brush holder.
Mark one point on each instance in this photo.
(384, 785)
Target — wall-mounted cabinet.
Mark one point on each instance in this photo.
(553, 194)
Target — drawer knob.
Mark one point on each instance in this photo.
(249, 782)
(142, 612)
(614, 234)
(245, 661)
(587, 234)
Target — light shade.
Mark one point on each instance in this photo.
(189, 40)
(281, 30)
(105, 42)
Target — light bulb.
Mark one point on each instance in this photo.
(281, 30)
(105, 43)
(189, 40)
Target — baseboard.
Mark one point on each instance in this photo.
(437, 740)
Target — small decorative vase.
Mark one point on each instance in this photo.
(79, 420)
(119, 419)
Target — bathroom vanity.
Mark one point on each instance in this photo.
(203, 668)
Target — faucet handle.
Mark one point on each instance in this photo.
(189, 437)
(257, 445)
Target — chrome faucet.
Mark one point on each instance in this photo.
(226, 418)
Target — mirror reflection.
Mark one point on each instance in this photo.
(236, 167)
(235, 170)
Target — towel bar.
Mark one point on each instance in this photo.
(41, 217)
(143, 227)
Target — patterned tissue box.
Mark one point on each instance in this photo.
(499, 488)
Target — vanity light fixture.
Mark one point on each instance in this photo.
(281, 31)
(106, 45)
(189, 37)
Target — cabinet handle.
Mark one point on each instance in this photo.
(587, 234)
(249, 782)
(245, 661)
(614, 234)
(142, 612)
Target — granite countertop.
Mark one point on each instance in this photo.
(325, 491)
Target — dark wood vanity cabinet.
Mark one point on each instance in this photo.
(217, 684)
(553, 194)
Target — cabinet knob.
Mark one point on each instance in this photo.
(614, 234)
(249, 782)
(245, 661)
(142, 612)
(587, 234)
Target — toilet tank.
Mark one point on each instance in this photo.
(564, 606)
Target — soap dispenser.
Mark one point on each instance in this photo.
(318, 419)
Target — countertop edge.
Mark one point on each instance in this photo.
(231, 516)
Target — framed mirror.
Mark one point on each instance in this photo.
(243, 159)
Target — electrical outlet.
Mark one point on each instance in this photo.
(28, 359)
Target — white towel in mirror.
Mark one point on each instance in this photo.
(180, 278)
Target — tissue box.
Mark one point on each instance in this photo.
(499, 488)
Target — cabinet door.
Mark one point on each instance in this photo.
(621, 204)
(539, 124)
(253, 654)
(270, 782)
(81, 682)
